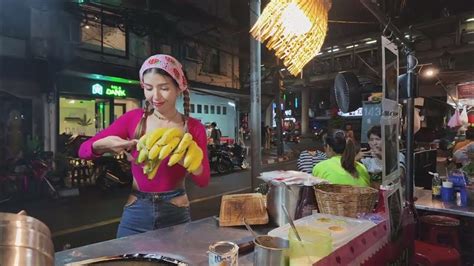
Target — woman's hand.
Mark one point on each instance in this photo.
(113, 144)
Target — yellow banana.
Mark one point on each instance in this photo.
(141, 142)
(147, 167)
(185, 142)
(169, 135)
(194, 153)
(166, 150)
(174, 159)
(153, 172)
(181, 149)
(194, 166)
(143, 155)
(154, 151)
(155, 136)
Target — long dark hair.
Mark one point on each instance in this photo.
(344, 147)
(141, 128)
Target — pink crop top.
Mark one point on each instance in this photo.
(167, 178)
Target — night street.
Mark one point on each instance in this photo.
(116, 115)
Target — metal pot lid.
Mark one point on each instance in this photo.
(17, 220)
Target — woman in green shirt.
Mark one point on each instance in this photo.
(341, 168)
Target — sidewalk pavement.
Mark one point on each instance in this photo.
(270, 156)
(291, 151)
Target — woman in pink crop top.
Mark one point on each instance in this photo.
(162, 201)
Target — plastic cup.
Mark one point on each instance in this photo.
(316, 244)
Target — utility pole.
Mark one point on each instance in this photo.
(278, 87)
(255, 97)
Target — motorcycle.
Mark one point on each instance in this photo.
(110, 172)
(238, 155)
(41, 167)
(219, 159)
(291, 136)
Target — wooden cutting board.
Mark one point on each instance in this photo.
(235, 207)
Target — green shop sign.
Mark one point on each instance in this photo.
(111, 90)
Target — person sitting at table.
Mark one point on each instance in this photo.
(341, 168)
(309, 158)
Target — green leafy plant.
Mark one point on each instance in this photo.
(84, 121)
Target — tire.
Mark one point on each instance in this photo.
(224, 166)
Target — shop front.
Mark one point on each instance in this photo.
(88, 105)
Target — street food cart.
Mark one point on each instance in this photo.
(384, 236)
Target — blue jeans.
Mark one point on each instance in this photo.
(151, 211)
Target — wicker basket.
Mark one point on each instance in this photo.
(345, 200)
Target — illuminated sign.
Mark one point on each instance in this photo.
(97, 89)
(112, 90)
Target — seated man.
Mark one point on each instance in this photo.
(309, 158)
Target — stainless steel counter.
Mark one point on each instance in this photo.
(186, 242)
(425, 202)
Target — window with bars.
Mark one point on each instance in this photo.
(212, 62)
(103, 32)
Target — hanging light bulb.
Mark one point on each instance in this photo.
(294, 20)
(294, 29)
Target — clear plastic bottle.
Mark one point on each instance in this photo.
(435, 185)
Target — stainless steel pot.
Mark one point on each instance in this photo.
(278, 194)
(25, 241)
(270, 251)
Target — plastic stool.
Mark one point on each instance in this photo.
(440, 230)
(429, 254)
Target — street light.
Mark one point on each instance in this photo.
(430, 72)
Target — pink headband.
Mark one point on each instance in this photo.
(168, 64)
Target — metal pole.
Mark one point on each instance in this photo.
(411, 83)
(255, 97)
(278, 114)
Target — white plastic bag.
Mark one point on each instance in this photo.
(463, 117)
(454, 121)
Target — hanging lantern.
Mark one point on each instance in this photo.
(294, 29)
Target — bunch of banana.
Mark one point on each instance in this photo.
(193, 158)
(191, 152)
(155, 146)
(178, 154)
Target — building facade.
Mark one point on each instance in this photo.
(71, 67)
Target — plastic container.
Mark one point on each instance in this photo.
(315, 244)
(332, 224)
(447, 194)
